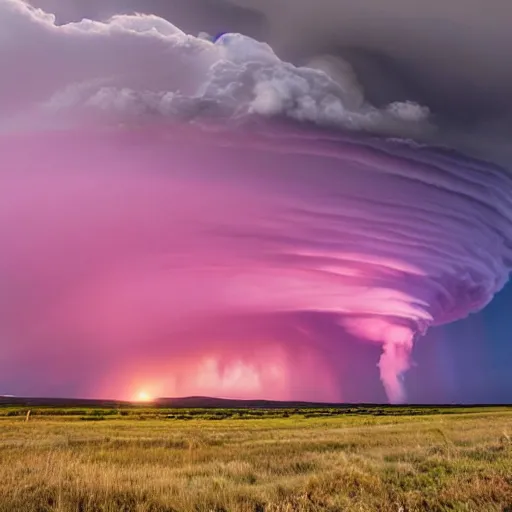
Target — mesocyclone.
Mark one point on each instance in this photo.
(256, 189)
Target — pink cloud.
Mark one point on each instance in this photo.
(123, 240)
(160, 226)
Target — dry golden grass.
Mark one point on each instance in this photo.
(360, 463)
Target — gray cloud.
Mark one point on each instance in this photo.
(190, 15)
(144, 65)
(451, 56)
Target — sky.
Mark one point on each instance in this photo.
(320, 213)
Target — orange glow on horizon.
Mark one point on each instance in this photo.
(143, 396)
(265, 375)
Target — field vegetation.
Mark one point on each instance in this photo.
(145, 459)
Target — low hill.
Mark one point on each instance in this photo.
(201, 402)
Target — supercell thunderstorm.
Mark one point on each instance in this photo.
(173, 195)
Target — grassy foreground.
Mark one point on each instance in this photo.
(152, 460)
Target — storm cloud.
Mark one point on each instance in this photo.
(188, 207)
(450, 56)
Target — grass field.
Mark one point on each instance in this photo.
(143, 459)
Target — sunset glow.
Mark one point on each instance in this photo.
(143, 396)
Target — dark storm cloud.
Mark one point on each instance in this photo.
(190, 15)
(451, 56)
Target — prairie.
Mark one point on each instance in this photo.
(161, 460)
